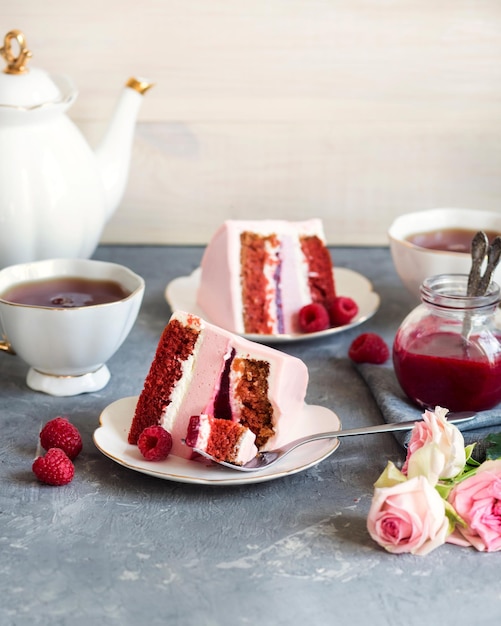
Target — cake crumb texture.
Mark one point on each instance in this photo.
(320, 277)
(252, 393)
(224, 438)
(253, 257)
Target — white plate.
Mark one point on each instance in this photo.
(181, 295)
(115, 420)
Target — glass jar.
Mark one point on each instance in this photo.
(447, 351)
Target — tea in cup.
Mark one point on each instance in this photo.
(435, 241)
(65, 318)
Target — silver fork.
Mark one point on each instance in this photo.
(264, 459)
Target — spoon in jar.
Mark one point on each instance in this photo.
(478, 283)
(267, 458)
(493, 257)
(479, 248)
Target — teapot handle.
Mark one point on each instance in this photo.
(15, 64)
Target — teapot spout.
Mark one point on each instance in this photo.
(114, 152)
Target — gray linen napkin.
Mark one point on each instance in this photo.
(395, 407)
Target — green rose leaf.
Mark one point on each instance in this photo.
(390, 477)
(493, 451)
(468, 452)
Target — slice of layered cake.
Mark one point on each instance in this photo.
(257, 275)
(200, 369)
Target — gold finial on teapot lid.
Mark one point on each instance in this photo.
(15, 64)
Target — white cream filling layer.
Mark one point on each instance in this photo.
(178, 393)
(246, 448)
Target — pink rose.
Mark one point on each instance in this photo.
(436, 448)
(477, 500)
(408, 516)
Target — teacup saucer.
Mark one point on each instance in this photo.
(68, 385)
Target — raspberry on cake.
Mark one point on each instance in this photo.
(257, 275)
(201, 369)
(223, 439)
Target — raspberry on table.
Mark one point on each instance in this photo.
(342, 310)
(55, 468)
(313, 318)
(60, 433)
(155, 443)
(369, 348)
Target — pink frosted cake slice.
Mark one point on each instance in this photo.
(257, 275)
(200, 369)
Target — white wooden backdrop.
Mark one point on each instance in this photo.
(350, 110)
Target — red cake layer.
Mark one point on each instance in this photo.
(321, 280)
(175, 346)
(253, 257)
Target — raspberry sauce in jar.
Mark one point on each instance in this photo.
(447, 351)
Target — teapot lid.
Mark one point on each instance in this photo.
(22, 87)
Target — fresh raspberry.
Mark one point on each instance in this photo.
(155, 443)
(313, 318)
(60, 433)
(369, 348)
(55, 468)
(342, 310)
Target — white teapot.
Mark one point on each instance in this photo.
(56, 194)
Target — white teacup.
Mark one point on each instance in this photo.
(67, 348)
(414, 263)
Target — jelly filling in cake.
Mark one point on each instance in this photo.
(222, 407)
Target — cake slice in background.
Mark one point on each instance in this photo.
(257, 275)
(200, 369)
